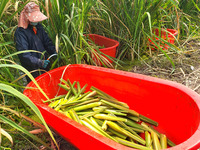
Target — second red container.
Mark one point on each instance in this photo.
(168, 35)
(110, 46)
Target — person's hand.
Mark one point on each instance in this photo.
(45, 63)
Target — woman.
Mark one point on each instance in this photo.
(30, 35)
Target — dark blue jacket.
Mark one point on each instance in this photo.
(26, 39)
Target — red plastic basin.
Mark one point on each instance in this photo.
(167, 36)
(175, 107)
(110, 47)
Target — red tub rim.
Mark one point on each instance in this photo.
(107, 48)
(170, 32)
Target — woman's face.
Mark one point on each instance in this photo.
(33, 23)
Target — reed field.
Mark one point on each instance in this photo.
(130, 22)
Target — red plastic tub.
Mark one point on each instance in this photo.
(175, 107)
(109, 49)
(169, 37)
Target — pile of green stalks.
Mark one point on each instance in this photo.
(109, 117)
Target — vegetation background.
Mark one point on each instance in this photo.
(130, 22)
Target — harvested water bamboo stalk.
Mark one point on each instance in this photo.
(89, 101)
(163, 141)
(87, 106)
(127, 127)
(78, 87)
(63, 86)
(150, 129)
(117, 128)
(101, 92)
(64, 81)
(148, 120)
(136, 119)
(67, 104)
(55, 98)
(90, 94)
(134, 124)
(114, 101)
(117, 133)
(78, 98)
(96, 126)
(104, 125)
(108, 117)
(137, 130)
(67, 114)
(131, 144)
(148, 140)
(72, 86)
(92, 113)
(74, 115)
(111, 111)
(121, 107)
(156, 142)
(90, 126)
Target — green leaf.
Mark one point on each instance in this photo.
(3, 4)
(25, 98)
(196, 5)
(26, 72)
(6, 134)
(16, 126)
(6, 43)
(19, 52)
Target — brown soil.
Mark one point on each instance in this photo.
(187, 65)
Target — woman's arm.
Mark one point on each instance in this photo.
(48, 44)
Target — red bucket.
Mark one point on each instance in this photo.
(110, 47)
(175, 107)
(167, 36)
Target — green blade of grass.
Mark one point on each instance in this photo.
(16, 126)
(24, 98)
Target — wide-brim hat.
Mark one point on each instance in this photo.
(30, 13)
(36, 16)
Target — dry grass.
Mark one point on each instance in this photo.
(187, 63)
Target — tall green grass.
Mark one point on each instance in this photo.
(67, 22)
(189, 17)
(6, 88)
(10, 70)
(131, 23)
